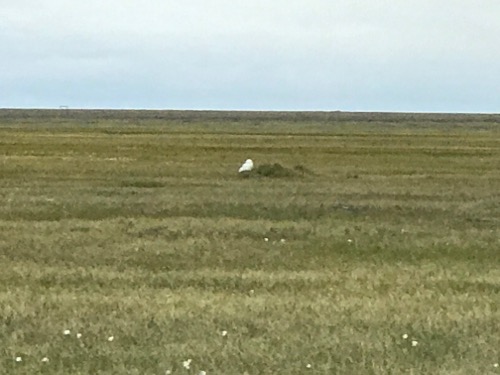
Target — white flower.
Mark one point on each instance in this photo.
(168, 372)
(78, 335)
(187, 363)
(66, 332)
(495, 365)
(202, 373)
(405, 336)
(223, 333)
(349, 240)
(45, 359)
(414, 343)
(19, 359)
(282, 240)
(309, 365)
(111, 338)
(266, 239)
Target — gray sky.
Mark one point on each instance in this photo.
(364, 55)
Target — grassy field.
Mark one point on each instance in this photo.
(130, 245)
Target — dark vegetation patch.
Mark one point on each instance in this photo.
(149, 184)
(271, 211)
(137, 116)
(275, 170)
(275, 211)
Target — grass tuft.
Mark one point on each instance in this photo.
(275, 170)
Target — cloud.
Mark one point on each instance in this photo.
(364, 54)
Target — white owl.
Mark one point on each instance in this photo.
(247, 166)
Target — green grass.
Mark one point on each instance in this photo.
(136, 225)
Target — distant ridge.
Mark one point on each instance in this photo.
(196, 115)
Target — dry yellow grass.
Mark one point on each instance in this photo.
(136, 226)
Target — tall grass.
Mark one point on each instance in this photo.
(379, 255)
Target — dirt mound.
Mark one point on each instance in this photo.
(275, 170)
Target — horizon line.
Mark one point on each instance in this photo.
(69, 108)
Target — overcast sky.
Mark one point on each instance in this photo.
(361, 55)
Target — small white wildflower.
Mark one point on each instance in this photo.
(349, 240)
(496, 365)
(67, 332)
(111, 338)
(19, 359)
(266, 239)
(309, 365)
(414, 343)
(187, 363)
(405, 336)
(282, 240)
(202, 373)
(168, 372)
(224, 333)
(45, 359)
(78, 335)
(252, 291)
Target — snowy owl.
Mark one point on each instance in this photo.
(247, 166)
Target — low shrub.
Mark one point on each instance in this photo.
(275, 170)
